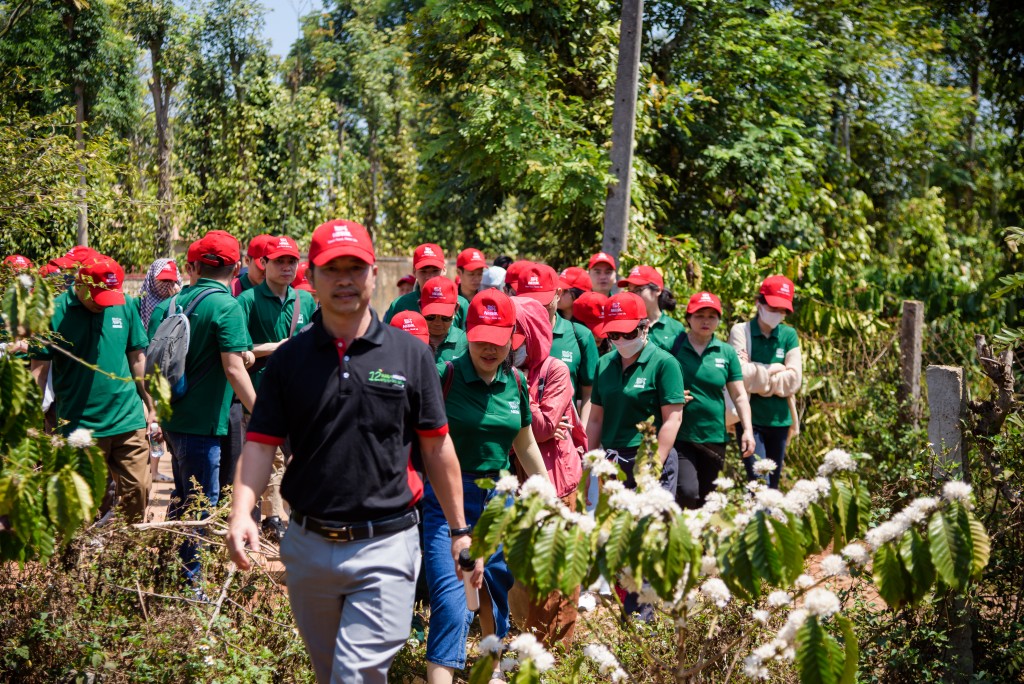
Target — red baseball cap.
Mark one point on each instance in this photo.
(427, 255)
(258, 248)
(340, 238)
(538, 282)
(281, 246)
(642, 275)
(57, 264)
(470, 259)
(589, 309)
(492, 319)
(623, 313)
(18, 262)
(80, 254)
(104, 278)
(438, 296)
(513, 271)
(575, 277)
(218, 248)
(192, 256)
(601, 258)
(168, 272)
(704, 300)
(406, 279)
(778, 291)
(412, 323)
(300, 282)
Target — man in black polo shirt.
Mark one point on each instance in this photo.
(349, 392)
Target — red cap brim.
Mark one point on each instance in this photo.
(543, 297)
(606, 262)
(104, 297)
(780, 302)
(282, 252)
(442, 308)
(427, 262)
(167, 276)
(342, 251)
(633, 281)
(624, 325)
(491, 334)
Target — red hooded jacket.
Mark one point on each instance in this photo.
(561, 456)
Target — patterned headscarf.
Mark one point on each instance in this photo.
(149, 298)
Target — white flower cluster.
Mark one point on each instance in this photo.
(507, 484)
(724, 483)
(835, 461)
(606, 662)
(491, 645)
(580, 520)
(695, 521)
(821, 603)
(955, 490)
(834, 566)
(597, 463)
(26, 280)
(528, 648)
(763, 466)
(777, 599)
(856, 554)
(81, 438)
(648, 499)
(804, 582)
(539, 485)
(891, 530)
(714, 590)
(708, 565)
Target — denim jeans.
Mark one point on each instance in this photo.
(196, 458)
(449, 617)
(769, 442)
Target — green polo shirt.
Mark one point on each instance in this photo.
(635, 394)
(217, 326)
(705, 376)
(411, 302)
(664, 332)
(454, 346)
(268, 319)
(483, 420)
(771, 411)
(85, 398)
(574, 344)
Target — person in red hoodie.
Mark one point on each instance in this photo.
(552, 619)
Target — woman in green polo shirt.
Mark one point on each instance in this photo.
(709, 366)
(769, 353)
(488, 408)
(647, 283)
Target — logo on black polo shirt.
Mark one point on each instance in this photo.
(392, 379)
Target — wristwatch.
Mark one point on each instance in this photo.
(461, 531)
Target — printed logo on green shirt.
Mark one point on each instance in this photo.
(513, 407)
(640, 383)
(567, 356)
(387, 378)
(719, 363)
(116, 323)
(780, 354)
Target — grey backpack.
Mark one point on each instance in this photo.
(169, 347)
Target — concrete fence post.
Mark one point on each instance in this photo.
(911, 328)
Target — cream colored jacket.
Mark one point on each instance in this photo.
(770, 380)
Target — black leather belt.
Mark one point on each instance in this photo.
(346, 532)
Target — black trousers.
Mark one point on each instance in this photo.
(699, 466)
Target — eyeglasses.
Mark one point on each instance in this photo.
(624, 336)
(438, 317)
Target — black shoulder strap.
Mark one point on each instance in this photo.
(678, 344)
(446, 379)
(207, 291)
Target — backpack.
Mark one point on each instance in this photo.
(169, 347)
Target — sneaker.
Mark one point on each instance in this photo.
(160, 477)
(274, 529)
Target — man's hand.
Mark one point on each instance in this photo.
(747, 443)
(151, 420)
(248, 359)
(458, 544)
(242, 530)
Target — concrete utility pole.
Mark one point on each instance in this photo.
(616, 208)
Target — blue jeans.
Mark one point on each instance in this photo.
(769, 442)
(196, 457)
(449, 617)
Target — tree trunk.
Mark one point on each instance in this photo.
(83, 209)
(164, 192)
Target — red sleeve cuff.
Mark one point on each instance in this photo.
(260, 438)
(436, 432)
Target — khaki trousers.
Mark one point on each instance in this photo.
(127, 457)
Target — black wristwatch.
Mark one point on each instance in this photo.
(461, 532)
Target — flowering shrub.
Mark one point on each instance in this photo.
(746, 545)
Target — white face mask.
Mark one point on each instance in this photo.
(519, 357)
(628, 348)
(769, 318)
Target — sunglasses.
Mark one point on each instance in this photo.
(438, 317)
(624, 336)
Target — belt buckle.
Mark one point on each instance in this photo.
(339, 534)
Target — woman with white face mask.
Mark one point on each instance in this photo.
(769, 353)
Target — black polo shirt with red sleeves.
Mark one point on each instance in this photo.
(350, 414)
